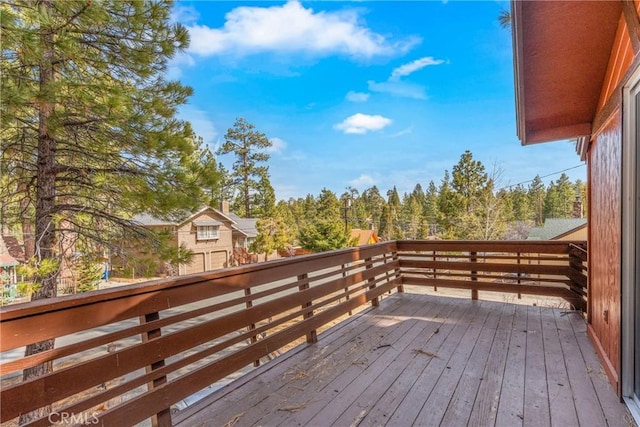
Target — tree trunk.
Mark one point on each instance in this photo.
(45, 204)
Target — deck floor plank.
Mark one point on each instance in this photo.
(433, 410)
(354, 403)
(536, 397)
(584, 395)
(410, 407)
(427, 360)
(461, 405)
(561, 405)
(511, 402)
(608, 401)
(485, 407)
(270, 378)
(308, 393)
(429, 348)
(398, 355)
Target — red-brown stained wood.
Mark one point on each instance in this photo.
(605, 169)
(274, 297)
(619, 61)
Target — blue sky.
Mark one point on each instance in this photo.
(361, 93)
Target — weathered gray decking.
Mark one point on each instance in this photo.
(424, 360)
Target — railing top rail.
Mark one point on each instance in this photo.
(228, 280)
(522, 246)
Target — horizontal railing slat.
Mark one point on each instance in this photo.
(560, 270)
(250, 312)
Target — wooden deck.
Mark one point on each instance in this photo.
(428, 361)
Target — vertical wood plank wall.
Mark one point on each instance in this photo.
(605, 165)
(605, 177)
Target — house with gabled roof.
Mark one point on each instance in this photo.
(216, 237)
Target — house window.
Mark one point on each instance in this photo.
(207, 232)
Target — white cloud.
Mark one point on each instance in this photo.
(362, 123)
(403, 132)
(183, 14)
(277, 145)
(295, 29)
(357, 96)
(398, 88)
(200, 123)
(177, 63)
(413, 66)
(362, 181)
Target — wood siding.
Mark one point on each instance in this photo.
(619, 62)
(604, 243)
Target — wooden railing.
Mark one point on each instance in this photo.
(545, 268)
(129, 354)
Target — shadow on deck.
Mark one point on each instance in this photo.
(425, 360)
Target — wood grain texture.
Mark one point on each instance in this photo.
(203, 328)
(429, 361)
(604, 237)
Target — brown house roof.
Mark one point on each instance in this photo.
(561, 56)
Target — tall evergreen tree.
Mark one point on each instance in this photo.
(536, 195)
(469, 179)
(373, 205)
(448, 208)
(264, 200)
(247, 145)
(273, 235)
(89, 134)
(430, 211)
(559, 199)
(323, 236)
(328, 207)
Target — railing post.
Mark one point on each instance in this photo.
(375, 302)
(162, 418)
(435, 272)
(577, 276)
(519, 275)
(346, 288)
(394, 257)
(303, 279)
(474, 275)
(251, 327)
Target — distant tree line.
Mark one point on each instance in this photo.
(466, 204)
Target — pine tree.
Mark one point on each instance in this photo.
(324, 235)
(329, 208)
(469, 179)
(264, 200)
(430, 211)
(89, 134)
(89, 273)
(536, 196)
(247, 145)
(373, 205)
(273, 235)
(448, 208)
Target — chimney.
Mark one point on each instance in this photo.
(577, 208)
(224, 207)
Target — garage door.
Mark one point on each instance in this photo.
(218, 260)
(196, 265)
